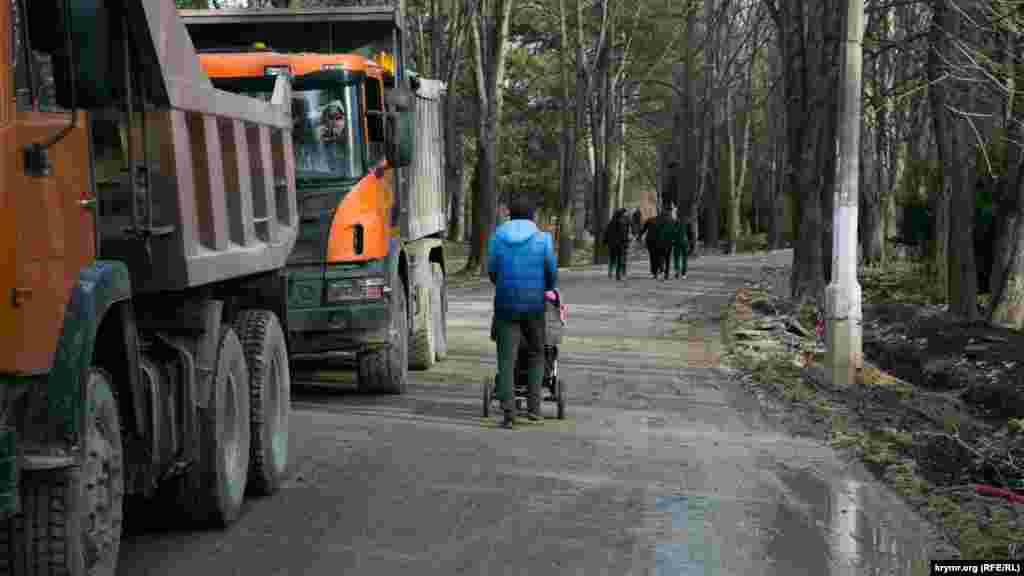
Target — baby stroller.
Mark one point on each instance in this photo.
(552, 387)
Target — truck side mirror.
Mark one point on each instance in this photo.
(399, 99)
(400, 138)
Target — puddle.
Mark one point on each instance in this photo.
(798, 524)
(845, 527)
(698, 555)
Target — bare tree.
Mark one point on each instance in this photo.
(806, 34)
(489, 25)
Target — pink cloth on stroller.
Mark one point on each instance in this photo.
(555, 296)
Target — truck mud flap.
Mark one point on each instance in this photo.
(181, 444)
(8, 472)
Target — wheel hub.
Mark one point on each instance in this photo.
(233, 460)
(275, 395)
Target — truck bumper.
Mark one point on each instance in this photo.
(346, 328)
(8, 472)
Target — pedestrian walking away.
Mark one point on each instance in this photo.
(650, 241)
(664, 232)
(521, 265)
(616, 237)
(681, 247)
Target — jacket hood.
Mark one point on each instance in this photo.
(516, 231)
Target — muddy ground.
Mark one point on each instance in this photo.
(933, 414)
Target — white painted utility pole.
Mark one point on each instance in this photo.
(843, 295)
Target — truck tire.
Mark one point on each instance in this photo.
(266, 355)
(439, 306)
(216, 483)
(44, 538)
(387, 370)
(422, 352)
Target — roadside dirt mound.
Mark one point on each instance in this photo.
(932, 414)
(980, 363)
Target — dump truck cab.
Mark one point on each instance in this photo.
(368, 277)
(345, 186)
(46, 221)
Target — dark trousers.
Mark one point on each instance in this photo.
(664, 260)
(680, 254)
(617, 262)
(512, 331)
(652, 253)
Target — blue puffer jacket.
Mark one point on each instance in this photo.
(522, 265)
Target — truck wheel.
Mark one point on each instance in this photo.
(266, 355)
(44, 536)
(387, 370)
(423, 350)
(218, 479)
(439, 307)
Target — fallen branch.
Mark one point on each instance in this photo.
(987, 458)
(1000, 492)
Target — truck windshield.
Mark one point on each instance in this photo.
(327, 133)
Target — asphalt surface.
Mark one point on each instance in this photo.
(663, 465)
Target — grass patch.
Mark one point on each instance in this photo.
(900, 282)
(752, 243)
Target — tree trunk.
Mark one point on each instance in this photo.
(690, 162)
(598, 136)
(476, 245)
(939, 201)
(567, 151)
(732, 186)
(490, 38)
(777, 192)
(1007, 278)
(453, 169)
(488, 210)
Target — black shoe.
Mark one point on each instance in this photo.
(509, 421)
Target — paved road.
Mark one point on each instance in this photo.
(662, 467)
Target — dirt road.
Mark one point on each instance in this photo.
(663, 465)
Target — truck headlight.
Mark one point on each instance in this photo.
(352, 289)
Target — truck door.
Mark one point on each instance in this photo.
(47, 227)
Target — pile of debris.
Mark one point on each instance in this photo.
(766, 324)
(934, 411)
(934, 350)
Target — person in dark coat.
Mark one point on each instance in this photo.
(650, 236)
(681, 247)
(637, 222)
(616, 237)
(664, 231)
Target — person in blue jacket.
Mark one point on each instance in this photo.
(521, 264)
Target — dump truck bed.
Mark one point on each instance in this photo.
(221, 171)
(426, 213)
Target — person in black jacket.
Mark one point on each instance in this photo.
(616, 237)
(650, 236)
(664, 233)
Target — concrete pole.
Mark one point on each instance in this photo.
(843, 295)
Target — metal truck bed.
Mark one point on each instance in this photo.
(426, 213)
(221, 174)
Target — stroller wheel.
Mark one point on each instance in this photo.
(560, 397)
(487, 398)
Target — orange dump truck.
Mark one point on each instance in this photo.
(367, 276)
(146, 221)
